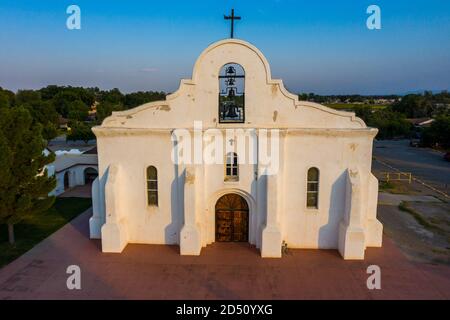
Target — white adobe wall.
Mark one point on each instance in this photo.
(146, 224)
(300, 227)
(332, 155)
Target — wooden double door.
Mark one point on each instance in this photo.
(232, 219)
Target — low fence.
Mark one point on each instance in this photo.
(443, 193)
(397, 176)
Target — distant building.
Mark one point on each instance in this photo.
(421, 122)
(73, 168)
(63, 123)
(384, 101)
(93, 112)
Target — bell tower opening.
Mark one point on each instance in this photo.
(232, 94)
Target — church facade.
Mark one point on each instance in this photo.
(233, 156)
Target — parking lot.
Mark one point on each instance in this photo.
(425, 164)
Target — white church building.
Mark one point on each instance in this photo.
(72, 168)
(233, 156)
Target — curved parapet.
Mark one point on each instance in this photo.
(267, 102)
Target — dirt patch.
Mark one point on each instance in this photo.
(413, 232)
(437, 214)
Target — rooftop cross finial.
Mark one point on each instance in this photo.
(232, 18)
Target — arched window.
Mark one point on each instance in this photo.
(232, 167)
(231, 94)
(312, 196)
(152, 186)
(90, 174)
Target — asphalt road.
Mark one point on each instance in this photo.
(425, 164)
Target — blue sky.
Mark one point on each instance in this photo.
(314, 46)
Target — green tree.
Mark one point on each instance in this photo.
(49, 131)
(6, 98)
(415, 105)
(44, 112)
(363, 112)
(62, 101)
(438, 133)
(50, 91)
(105, 109)
(80, 131)
(135, 99)
(83, 94)
(4, 101)
(113, 96)
(24, 184)
(27, 96)
(77, 110)
(389, 123)
(303, 96)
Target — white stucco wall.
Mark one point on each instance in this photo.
(337, 143)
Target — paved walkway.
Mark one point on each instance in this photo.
(223, 271)
(83, 191)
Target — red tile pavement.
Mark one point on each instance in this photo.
(223, 271)
(83, 191)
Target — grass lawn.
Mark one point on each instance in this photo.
(33, 230)
(352, 106)
(395, 187)
(403, 206)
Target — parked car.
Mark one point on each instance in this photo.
(447, 156)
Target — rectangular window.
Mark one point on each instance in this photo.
(312, 193)
(231, 168)
(312, 199)
(152, 197)
(152, 186)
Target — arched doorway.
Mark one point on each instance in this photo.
(66, 180)
(89, 175)
(232, 219)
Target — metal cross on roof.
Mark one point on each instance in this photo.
(232, 18)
